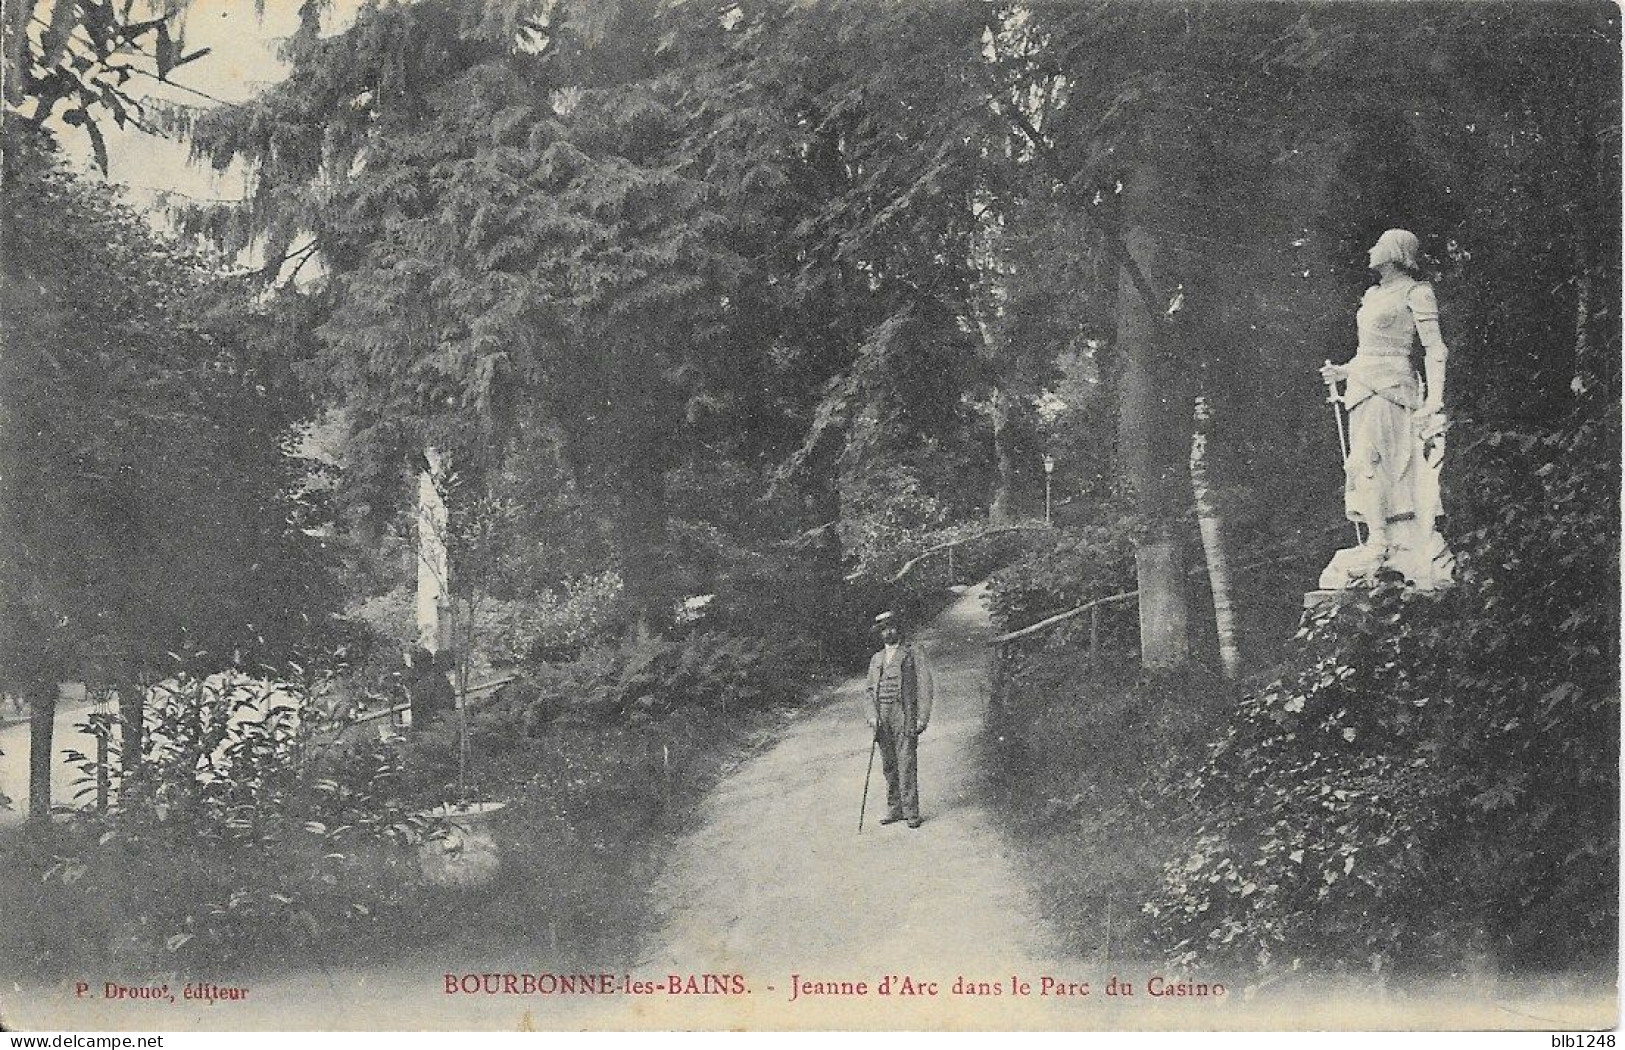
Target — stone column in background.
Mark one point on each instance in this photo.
(434, 564)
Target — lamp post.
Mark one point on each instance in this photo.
(1049, 469)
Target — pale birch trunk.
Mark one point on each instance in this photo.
(1211, 522)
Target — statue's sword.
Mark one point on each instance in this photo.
(1335, 399)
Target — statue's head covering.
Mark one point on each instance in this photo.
(1399, 247)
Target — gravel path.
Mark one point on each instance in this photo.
(775, 888)
(778, 883)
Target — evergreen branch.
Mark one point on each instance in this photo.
(303, 254)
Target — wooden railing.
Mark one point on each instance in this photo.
(1094, 607)
(473, 696)
(947, 547)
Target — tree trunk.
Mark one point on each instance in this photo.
(131, 713)
(1159, 564)
(16, 49)
(1001, 508)
(41, 728)
(640, 540)
(1210, 521)
(1145, 438)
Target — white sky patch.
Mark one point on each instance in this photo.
(242, 61)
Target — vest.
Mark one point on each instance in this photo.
(897, 681)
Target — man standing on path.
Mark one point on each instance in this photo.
(900, 693)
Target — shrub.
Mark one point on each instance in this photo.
(387, 622)
(1081, 767)
(549, 625)
(253, 825)
(1080, 564)
(729, 671)
(1317, 842)
(587, 610)
(884, 511)
(1433, 771)
(638, 680)
(389, 616)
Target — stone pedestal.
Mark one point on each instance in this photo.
(1349, 567)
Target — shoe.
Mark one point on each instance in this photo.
(915, 822)
(890, 820)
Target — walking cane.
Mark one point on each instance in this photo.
(1335, 399)
(873, 744)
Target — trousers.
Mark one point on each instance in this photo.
(899, 748)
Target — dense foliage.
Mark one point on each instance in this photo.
(1078, 565)
(257, 824)
(154, 498)
(724, 314)
(1433, 774)
(635, 683)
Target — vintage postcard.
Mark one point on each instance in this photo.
(575, 515)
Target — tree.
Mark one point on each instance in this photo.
(1337, 127)
(1211, 522)
(854, 177)
(148, 415)
(635, 224)
(80, 56)
(511, 244)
